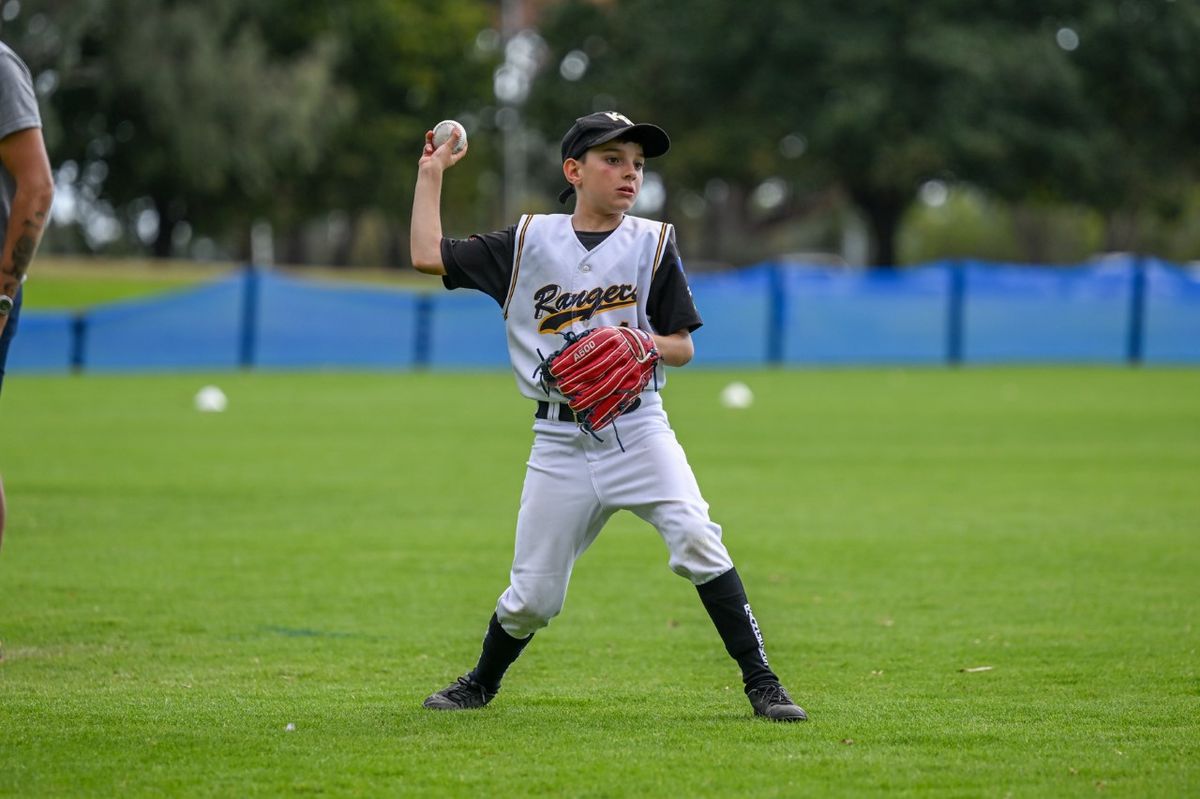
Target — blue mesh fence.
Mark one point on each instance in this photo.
(1046, 314)
(466, 330)
(1125, 311)
(877, 316)
(45, 342)
(199, 328)
(1172, 324)
(738, 312)
(306, 324)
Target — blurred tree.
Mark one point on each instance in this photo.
(1057, 101)
(171, 116)
(1140, 67)
(699, 75)
(178, 114)
(209, 116)
(407, 65)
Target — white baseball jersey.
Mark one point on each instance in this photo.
(558, 285)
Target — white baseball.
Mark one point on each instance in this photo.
(737, 395)
(442, 131)
(211, 399)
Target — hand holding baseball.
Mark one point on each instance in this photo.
(445, 145)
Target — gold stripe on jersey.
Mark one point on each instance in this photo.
(512, 284)
(658, 253)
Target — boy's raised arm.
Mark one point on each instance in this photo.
(425, 234)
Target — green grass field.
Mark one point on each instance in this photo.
(176, 588)
(77, 283)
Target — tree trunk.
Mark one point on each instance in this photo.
(883, 212)
(397, 254)
(295, 245)
(164, 238)
(1121, 231)
(1033, 234)
(713, 238)
(344, 248)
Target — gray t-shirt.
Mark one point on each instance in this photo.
(18, 111)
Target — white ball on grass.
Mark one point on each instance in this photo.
(211, 399)
(737, 395)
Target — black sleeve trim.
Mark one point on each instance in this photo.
(670, 306)
(483, 262)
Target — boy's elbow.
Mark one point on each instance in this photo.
(680, 351)
(430, 269)
(689, 351)
(428, 260)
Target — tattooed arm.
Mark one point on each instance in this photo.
(24, 155)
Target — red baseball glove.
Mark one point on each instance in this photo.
(601, 372)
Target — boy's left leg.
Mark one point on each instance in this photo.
(725, 600)
(724, 597)
(668, 497)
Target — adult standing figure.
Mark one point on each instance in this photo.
(26, 191)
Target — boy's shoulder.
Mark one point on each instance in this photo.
(536, 217)
(652, 228)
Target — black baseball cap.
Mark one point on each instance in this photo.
(604, 126)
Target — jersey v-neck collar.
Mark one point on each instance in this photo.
(607, 234)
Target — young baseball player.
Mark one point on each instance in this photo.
(558, 273)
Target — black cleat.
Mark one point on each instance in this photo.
(771, 701)
(463, 694)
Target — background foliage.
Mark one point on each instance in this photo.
(862, 130)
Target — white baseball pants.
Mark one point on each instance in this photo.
(574, 483)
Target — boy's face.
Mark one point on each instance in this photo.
(609, 176)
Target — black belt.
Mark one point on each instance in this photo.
(565, 414)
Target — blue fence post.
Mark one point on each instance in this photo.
(248, 343)
(955, 302)
(79, 326)
(1137, 312)
(776, 313)
(423, 335)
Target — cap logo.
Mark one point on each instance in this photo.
(615, 117)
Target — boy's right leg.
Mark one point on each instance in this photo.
(559, 518)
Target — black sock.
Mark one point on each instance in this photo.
(499, 651)
(725, 600)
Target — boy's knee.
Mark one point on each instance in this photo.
(699, 555)
(522, 615)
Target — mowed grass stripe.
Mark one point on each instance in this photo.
(177, 587)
